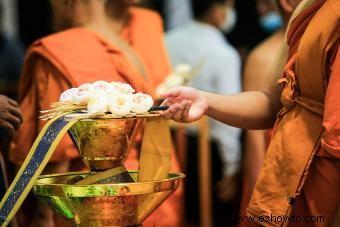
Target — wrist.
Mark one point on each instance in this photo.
(204, 96)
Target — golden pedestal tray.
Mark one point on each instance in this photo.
(124, 204)
(104, 144)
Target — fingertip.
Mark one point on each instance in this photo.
(17, 125)
(13, 102)
(21, 119)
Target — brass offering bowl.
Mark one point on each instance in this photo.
(105, 143)
(123, 204)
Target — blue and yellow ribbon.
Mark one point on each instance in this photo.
(33, 165)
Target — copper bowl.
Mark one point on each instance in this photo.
(105, 143)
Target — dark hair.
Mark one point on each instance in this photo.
(201, 7)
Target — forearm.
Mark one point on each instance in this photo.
(248, 110)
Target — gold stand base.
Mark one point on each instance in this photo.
(122, 204)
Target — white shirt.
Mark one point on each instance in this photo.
(177, 12)
(221, 73)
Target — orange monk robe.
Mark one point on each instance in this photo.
(76, 56)
(300, 175)
(321, 190)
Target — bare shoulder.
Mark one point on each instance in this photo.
(260, 61)
(266, 51)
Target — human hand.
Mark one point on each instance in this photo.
(10, 115)
(186, 104)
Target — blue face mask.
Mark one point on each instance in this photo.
(271, 22)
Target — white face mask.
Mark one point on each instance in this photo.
(229, 20)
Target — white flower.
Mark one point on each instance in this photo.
(141, 103)
(120, 104)
(67, 96)
(174, 80)
(97, 103)
(83, 94)
(183, 70)
(123, 87)
(115, 97)
(103, 86)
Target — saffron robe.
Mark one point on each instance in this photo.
(301, 170)
(76, 56)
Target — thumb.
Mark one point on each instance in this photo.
(195, 113)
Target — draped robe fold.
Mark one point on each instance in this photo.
(301, 172)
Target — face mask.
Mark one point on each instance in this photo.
(229, 20)
(271, 22)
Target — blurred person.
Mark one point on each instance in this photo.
(98, 40)
(269, 15)
(177, 13)
(300, 175)
(256, 72)
(247, 32)
(10, 121)
(11, 59)
(202, 40)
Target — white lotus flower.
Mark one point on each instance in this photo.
(141, 103)
(97, 103)
(83, 94)
(123, 87)
(120, 104)
(103, 86)
(67, 96)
